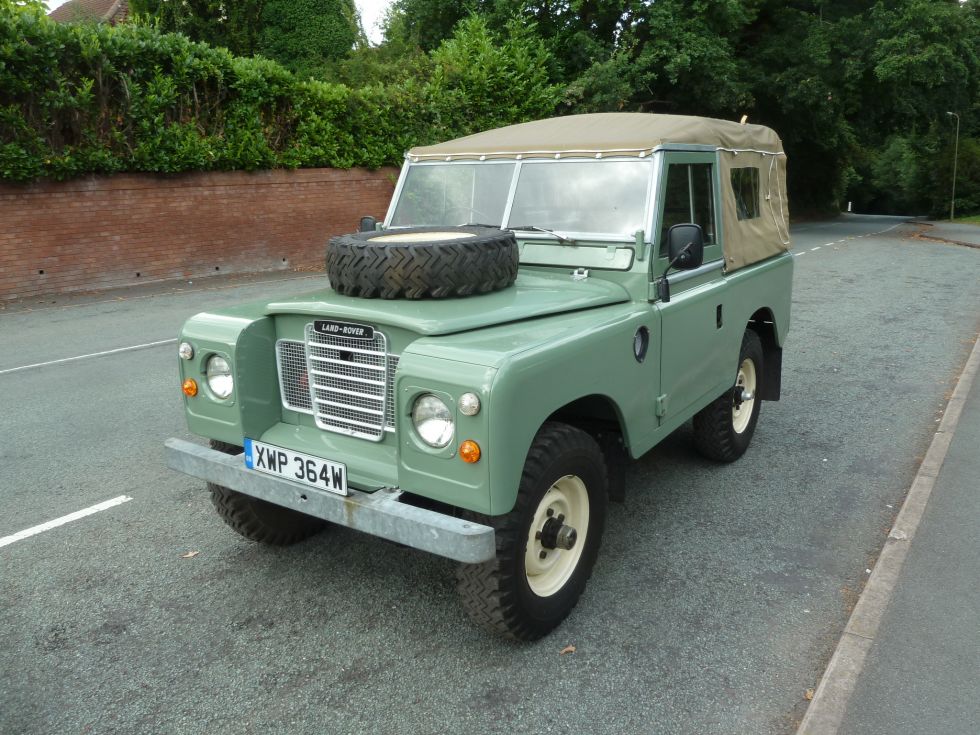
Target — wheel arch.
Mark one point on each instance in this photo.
(600, 417)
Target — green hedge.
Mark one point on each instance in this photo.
(80, 99)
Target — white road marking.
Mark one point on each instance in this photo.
(34, 530)
(797, 255)
(816, 248)
(827, 244)
(93, 354)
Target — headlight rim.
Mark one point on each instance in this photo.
(444, 439)
(211, 374)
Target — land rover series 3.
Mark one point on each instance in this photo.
(542, 302)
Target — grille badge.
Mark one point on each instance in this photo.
(343, 329)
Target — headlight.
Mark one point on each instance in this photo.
(432, 420)
(220, 380)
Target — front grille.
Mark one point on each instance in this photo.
(346, 384)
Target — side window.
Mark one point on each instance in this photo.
(689, 197)
(745, 187)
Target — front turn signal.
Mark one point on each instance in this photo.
(189, 387)
(469, 451)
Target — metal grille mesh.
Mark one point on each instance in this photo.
(293, 381)
(351, 382)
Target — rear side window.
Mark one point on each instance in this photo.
(745, 187)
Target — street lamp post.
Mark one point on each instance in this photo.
(956, 155)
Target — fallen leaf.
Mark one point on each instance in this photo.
(808, 695)
(566, 649)
(189, 555)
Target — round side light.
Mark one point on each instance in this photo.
(469, 404)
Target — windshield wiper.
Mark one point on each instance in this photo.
(535, 228)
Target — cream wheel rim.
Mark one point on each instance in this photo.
(548, 569)
(422, 236)
(745, 385)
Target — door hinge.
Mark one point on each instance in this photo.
(662, 402)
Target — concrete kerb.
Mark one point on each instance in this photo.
(826, 710)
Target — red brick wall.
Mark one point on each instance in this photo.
(104, 232)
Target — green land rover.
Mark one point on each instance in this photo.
(543, 302)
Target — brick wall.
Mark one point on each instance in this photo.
(104, 232)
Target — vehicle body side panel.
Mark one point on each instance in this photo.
(534, 383)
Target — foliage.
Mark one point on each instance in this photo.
(302, 35)
(82, 98)
(306, 35)
(858, 91)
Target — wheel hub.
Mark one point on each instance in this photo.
(743, 396)
(556, 535)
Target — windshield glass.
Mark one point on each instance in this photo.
(454, 194)
(582, 196)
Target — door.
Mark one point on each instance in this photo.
(693, 356)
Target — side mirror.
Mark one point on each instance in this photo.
(685, 247)
(368, 224)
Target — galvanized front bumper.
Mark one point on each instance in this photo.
(380, 513)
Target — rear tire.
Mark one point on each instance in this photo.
(258, 520)
(532, 584)
(723, 429)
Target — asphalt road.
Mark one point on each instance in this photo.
(718, 597)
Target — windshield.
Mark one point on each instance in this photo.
(454, 194)
(582, 196)
(586, 197)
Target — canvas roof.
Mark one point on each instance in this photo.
(607, 133)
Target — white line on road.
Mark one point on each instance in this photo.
(34, 530)
(797, 255)
(93, 354)
(816, 248)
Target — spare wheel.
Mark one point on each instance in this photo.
(422, 262)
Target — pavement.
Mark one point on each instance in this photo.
(909, 658)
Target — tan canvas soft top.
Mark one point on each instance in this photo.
(751, 233)
(606, 133)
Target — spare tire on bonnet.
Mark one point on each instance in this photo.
(422, 262)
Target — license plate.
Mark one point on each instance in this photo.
(303, 468)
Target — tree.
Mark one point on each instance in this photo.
(305, 36)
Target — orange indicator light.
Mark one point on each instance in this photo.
(469, 451)
(189, 387)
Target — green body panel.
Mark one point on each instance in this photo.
(439, 473)
(244, 337)
(577, 356)
(531, 296)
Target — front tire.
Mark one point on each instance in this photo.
(258, 520)
(547, 545)
(724, 428)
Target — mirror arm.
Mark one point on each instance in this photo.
(663, 285)
(677, 257)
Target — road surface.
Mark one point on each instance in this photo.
(719, 594)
